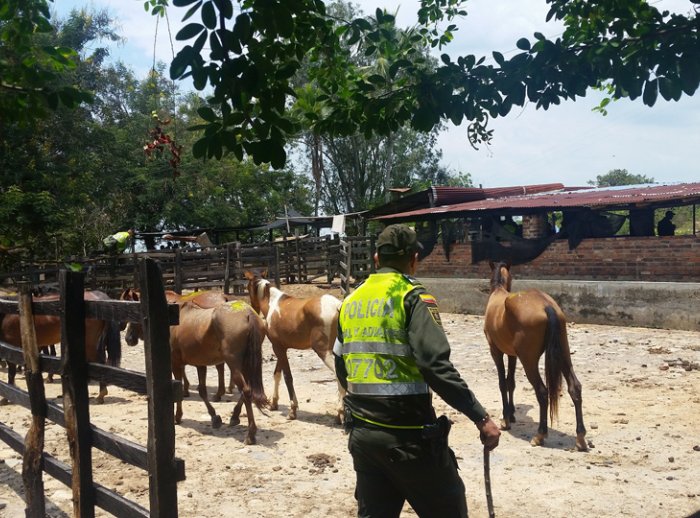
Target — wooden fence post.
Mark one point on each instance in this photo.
(75, 391)
(227, 269)
(161, 422)
(33, 462)
(178, 271)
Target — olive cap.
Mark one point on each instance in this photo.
(398, 240)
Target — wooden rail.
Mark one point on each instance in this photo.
(157, 457)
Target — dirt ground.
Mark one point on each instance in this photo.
(641, 404)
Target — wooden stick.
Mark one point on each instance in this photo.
(487, 483)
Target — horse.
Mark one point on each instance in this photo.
(524, 325)
(102, 340)
(230, 332)
(295, 323)
(204, 299)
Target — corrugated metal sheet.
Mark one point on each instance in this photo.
(623, 197)
(441, 195)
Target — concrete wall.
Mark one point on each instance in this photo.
(665, 305)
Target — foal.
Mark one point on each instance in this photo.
(524, 325)
(295, 323)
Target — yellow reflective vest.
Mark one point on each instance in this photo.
(375, 349)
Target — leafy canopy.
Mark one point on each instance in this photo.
(247, 55)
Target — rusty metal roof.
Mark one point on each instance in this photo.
(441, 195)
(610, 198)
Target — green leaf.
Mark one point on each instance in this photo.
(199, 149)
(499, 58)
(189, 31)
(183, 3)
(523, 44)
(209, 15)
(206, 113)
(651, 90)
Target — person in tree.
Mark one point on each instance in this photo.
(665, 226)
(117, 243)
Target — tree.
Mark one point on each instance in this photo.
(616, 177)
(354, 173)
(33, 69)
(628, 47)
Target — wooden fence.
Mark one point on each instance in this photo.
(291, 260)
(157, 458)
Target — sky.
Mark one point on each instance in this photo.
(569, 143)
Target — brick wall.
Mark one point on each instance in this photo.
(674, 259)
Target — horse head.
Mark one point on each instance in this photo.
(500, 275)
(258, 288)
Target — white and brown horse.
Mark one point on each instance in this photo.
(295, 323)
(525, 325)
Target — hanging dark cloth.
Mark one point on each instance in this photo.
(576, 226)
(501, 245)
(427, 234)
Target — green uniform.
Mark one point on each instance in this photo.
(117, 242)
(391, 353)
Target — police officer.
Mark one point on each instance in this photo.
(391, 351)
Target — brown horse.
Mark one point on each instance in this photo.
(102, 340)
(231, 333)
(203, 299)
(524, 325)
(295, 323)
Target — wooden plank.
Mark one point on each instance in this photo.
(161, 430)
(34, 441)
(106, 499)
(75, 393)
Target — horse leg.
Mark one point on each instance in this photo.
(185, 384)
(574, 387)
(510, 384)
(245, 399)
(327, 358)
(202, 389)
(231, 383)
(221, 390)
(178, 374)
(497, 356)
(532, 371)
(282, 367)
(51, 351)
(102, 394)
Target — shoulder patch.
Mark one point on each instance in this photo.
(412, 280)
(431, 303)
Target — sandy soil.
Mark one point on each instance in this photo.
(641, 402)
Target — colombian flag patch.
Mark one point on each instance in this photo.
(430, 301)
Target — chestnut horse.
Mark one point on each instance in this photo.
(203, 299)
(524, 325)
(295, 323)
(102, 340)
(229, 332)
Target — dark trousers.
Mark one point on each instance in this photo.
(393, 467)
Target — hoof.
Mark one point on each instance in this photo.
(249, 440)
(216, 398)
(292, 416)
(4, 402)
(185, 393)
(537, 440)
(178, 420)
(581, 444)
(274, 406)
(505, 425)
(216, 422)
(235, 421)
(100, 400)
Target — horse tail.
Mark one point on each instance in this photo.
(109, 349)
(553, 360)
(252, 361)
